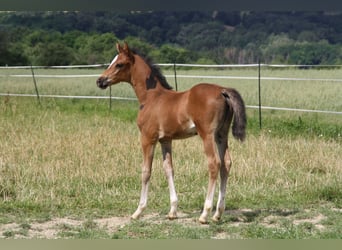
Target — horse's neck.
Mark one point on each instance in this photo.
(139, 77)
(141, 91)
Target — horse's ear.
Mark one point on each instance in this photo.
(118, 47)
(127, 51)
(126, 46)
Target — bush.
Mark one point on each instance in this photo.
(52, 54)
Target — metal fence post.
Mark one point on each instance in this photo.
(259, 91)
(174, 69)
(35, 85)
(110, 97)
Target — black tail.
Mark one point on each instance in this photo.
(235, 100)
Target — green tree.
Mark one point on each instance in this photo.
(89, 37)
(315, 53)
(141, 46)
(276, 48)
(97, 48)
(172, 54)
(52, 54)
(11, 54)
(4, 52)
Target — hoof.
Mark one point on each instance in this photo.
(216, 218)
(172, 216)
(203, 220)
(135, 216)
(137, 213)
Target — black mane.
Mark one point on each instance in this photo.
(155, 73)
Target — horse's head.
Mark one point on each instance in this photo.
(119, 69)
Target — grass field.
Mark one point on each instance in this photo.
(321, 95)
(71, 168)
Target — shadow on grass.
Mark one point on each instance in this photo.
(250, 215)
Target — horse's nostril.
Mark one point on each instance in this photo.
(101, 82)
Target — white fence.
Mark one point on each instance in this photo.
(259, 78)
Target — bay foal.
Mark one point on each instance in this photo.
(164, 115)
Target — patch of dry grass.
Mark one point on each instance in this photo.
(78, 163)
(76, 159)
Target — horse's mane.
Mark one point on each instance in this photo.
(155, 72)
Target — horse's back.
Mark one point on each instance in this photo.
(207, 88)
(204, 97)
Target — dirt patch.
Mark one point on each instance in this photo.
(315, 221)
(51, 229)
(188, 220)
(57, 227)
(112, 224)
(271, 221)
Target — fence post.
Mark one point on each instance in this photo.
(174, 69)
(35, 85)
(259, 91)
(110, 97)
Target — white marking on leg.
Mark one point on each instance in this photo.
(208, 204)
(148, 151)
(173, 194)
(173, 199)
(214, 164)
(142, 203)
(167, 164)
(224, 172)
(221, 201)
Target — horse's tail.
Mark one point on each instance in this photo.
(234, 100)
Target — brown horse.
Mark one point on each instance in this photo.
(205, 109)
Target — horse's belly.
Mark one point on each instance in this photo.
(191, 129)
(180, 132)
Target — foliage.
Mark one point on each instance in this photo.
(10, 53)
(169, 53)
(220, 37)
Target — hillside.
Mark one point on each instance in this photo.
(57, 38)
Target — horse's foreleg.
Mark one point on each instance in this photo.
(148, 151)
(214, 166)
(167, 164)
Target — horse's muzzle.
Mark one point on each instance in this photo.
(102, 82)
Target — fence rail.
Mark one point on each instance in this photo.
(189, 76)
(135, 99)
(174, 65)
(182, 65)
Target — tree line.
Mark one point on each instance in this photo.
(69, 38)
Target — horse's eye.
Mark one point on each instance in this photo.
(119, 65)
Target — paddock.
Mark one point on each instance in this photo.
(51, 167)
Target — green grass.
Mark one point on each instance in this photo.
(71, 158)
(321, 95)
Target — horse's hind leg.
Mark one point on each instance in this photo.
(224, 172)
(214, 166)
(167, 164)
(221, 140)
